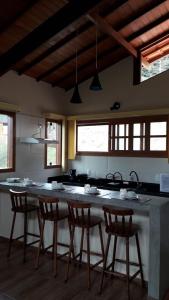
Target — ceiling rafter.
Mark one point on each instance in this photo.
(129, 39)
(70, 13)
(20, 13)
(84, 28)
(108, 29)
(143, 11)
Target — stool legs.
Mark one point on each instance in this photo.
(81, 247)
(105, 261)
(88, 257)
(114, 252)
(25, 236)
(127, 268)
(139, 259)
(72, 231)
(11, 234)
(55, 242)
(101, 240)
(40, 244)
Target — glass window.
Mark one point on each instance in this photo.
(53, 152)
(7, 142)
(92, 138)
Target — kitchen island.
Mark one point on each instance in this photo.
(151, 212)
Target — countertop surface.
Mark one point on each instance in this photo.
(104, 197)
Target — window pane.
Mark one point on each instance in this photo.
(6, 141)
(158, 128)
(121, 144)
(136, 144)
(92, 138)
(137, 129)
(121, 130)
(53, 150)
(51, 155)
(158, 144)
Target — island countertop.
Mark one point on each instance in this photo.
(155, 208)
(105, 197)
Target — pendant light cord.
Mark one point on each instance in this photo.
(76, 64)
(96, 45)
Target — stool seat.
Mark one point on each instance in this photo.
(25, 208)
(121, 230)
(55, 215)
(83, 221)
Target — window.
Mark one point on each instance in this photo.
(135, 136)
(7, 145)
(156, 67)
(53, 152)
(92, 138)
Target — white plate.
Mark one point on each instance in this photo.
(93, 193)
(12, 180)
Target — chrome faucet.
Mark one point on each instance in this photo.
(117, 174)
(136, 175)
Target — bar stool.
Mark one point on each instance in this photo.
(21, 205)
(49, 211)
(123, 229)
(79, 216)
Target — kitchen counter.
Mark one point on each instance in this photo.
(156, 209)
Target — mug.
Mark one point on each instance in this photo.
(131, 194)
(93, 189)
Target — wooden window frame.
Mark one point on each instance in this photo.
(12, 141)
(130, 152)
(92, 123)
(45, 156)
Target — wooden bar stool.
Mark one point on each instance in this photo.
(79, 216)
(123, 228)
(49, 211)
(21, 205)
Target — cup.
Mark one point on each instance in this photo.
(123, 193)
(131, 194)
(93, 189)
(27, 181)
(86, 188)
(54, 184)
(59, 185)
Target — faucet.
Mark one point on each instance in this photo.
(136, 175)
(115, 174)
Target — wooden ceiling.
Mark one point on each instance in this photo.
(39, 38)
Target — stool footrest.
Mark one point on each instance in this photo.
(123, 261)
(134, 275)
(32, 243)
(33, 234)
(93, 253)
(96, 264)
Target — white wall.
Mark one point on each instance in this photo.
(117, 83)
(33, 99)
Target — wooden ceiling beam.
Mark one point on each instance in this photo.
(108, 29)
(154, 41)
(70, 13)
(84, 28)
(150, 26)
(142, 11)
(26, 7)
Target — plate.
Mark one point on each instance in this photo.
(13, 180)
(131, 198)
(93, 193)
(58, 189)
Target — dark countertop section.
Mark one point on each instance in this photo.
(108, 184)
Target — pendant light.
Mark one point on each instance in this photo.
(95, 84)
(76, 96)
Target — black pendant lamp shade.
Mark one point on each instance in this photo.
(95, 84)
(76, 96)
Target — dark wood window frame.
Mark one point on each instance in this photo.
(130, 152)
(12, 141)
(60, 148)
